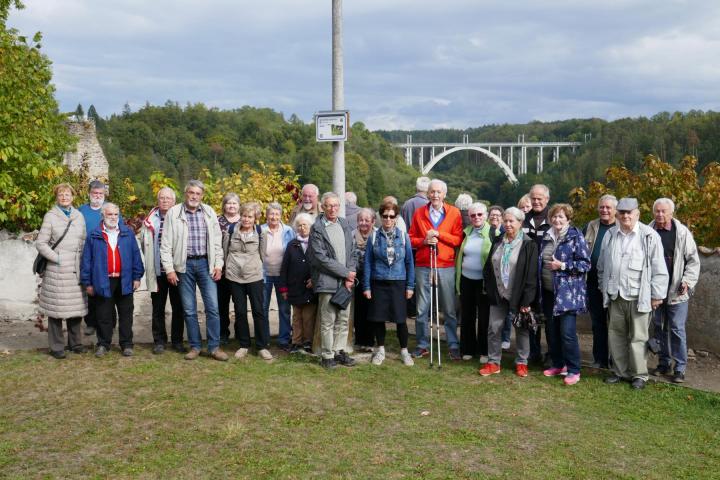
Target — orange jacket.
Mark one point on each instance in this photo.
(451, 235)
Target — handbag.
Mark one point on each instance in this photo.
(526, 320)
(40, 263)
(341, 298)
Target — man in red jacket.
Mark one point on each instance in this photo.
(437, 224)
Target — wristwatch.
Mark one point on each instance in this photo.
(562, 266)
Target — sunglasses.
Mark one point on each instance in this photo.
(474, 215)
(388, 216)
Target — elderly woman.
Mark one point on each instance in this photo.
(60, 241)
(228, 222)
(470, 286)
(495, 215)
(510, 281)
(563, 262)
(244, 251)
(389, 280)
(277, 236)
(364, 339)
(296, 285)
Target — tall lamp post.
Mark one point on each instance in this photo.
(338, 101)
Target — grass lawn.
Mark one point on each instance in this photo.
(160, 416)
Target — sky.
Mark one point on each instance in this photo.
(408, 64)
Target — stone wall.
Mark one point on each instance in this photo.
(88, 156)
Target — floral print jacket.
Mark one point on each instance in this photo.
(569, 285)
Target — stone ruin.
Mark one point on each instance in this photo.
(89, 156)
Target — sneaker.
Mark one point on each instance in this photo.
(679, 377)
(307, 346)
(265, 354)
(295, 348)
(127, 352)
(158, 349)
(378, 357)
(241, 353)
(638, 384)
(219, 355)
(344, 359)
(455, 355)
(554, 372)
(505, 345)
(483, 359)
(467, 358)
(328, 363)
(180, 348)
(57, 354)
(420, 352)
(89, 331)
(100, 351)
(571, 379)
(521, 370)
(193, 354)
(489, 369)
(406, 358)
(79, 349)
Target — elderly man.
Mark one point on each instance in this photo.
(683, 264)
(191, 255)
(420, 199)
(330, 251)
(633, 279)
(535, 225)
(436, 226)
(351, 209)
(594, 233)
(308, 202)
(111, 270)
(151, 234)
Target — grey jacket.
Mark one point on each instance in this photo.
(654, 275)
(686, 263)
(327, 272)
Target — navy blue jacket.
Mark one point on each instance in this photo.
(94, 264)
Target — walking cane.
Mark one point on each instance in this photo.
(434, 307)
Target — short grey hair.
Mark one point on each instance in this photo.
(194, 184)
(463, 201)
(302, 217)
(477, 206)
(366, 211)
(312, 187)
(327, 195)
(96, 184)
(109, 205)
(422, 184)
(608, 197)
(273, 206)
(443, 185)
(350, 197)
(226, 198)
(167, 189)
(541, 187)
(666, 201)
(515, 212)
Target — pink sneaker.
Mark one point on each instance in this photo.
(554, 372)
(572, 379)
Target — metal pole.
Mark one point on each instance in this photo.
(338, 101)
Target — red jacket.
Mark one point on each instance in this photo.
(451, 235)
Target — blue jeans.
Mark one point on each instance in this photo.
(285, 333)
(197, 274)
(669, 322)
(561, 335)
(446, 296)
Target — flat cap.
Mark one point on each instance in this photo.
(627, 204)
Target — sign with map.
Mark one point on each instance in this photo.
(332, 126)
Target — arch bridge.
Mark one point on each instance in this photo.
(511, 157)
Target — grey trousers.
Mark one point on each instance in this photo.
(522, 336)
(56, 339)
(628, 333)
(334, 326)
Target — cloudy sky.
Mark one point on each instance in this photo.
(408, 63)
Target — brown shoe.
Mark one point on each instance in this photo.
(219, 355)
(192, 354)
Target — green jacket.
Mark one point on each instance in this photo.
(487, 243)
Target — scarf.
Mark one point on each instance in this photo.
(67, 211)
(390, 245)
(303, 242)
(508, 247)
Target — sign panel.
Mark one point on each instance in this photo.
(332, 126)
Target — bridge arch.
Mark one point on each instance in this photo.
(506, 170)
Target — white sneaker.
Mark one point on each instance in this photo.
(241, 353)
(467, 358)
(378, 357)
(406, 358)
(483, 359)
(265, 354)
(505, 345)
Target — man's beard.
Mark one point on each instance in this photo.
(97, 203)
(307, 206)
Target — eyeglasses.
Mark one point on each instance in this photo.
(387, 217)
(475, 215)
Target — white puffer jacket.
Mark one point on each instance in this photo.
(61, 295)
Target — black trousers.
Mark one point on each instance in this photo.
(240, 293)
(379, 331)
(91, 317)
(475, 310)
(363, 328)
(159, 300)
(224, 295)
(106, 306)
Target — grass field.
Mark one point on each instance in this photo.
(160, 416)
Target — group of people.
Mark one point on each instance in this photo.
(339, 280)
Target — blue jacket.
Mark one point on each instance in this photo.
(569, 285)
(376, 263)
(94, 264)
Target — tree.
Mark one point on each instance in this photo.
(79, 113)
(93, 115)
(34, 136)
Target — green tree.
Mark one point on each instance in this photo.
(93, 115)
(79, 113)
(33, 136)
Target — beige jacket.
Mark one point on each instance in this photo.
(173, 246)
(686, 263)
(244, 256)
(61, 295)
